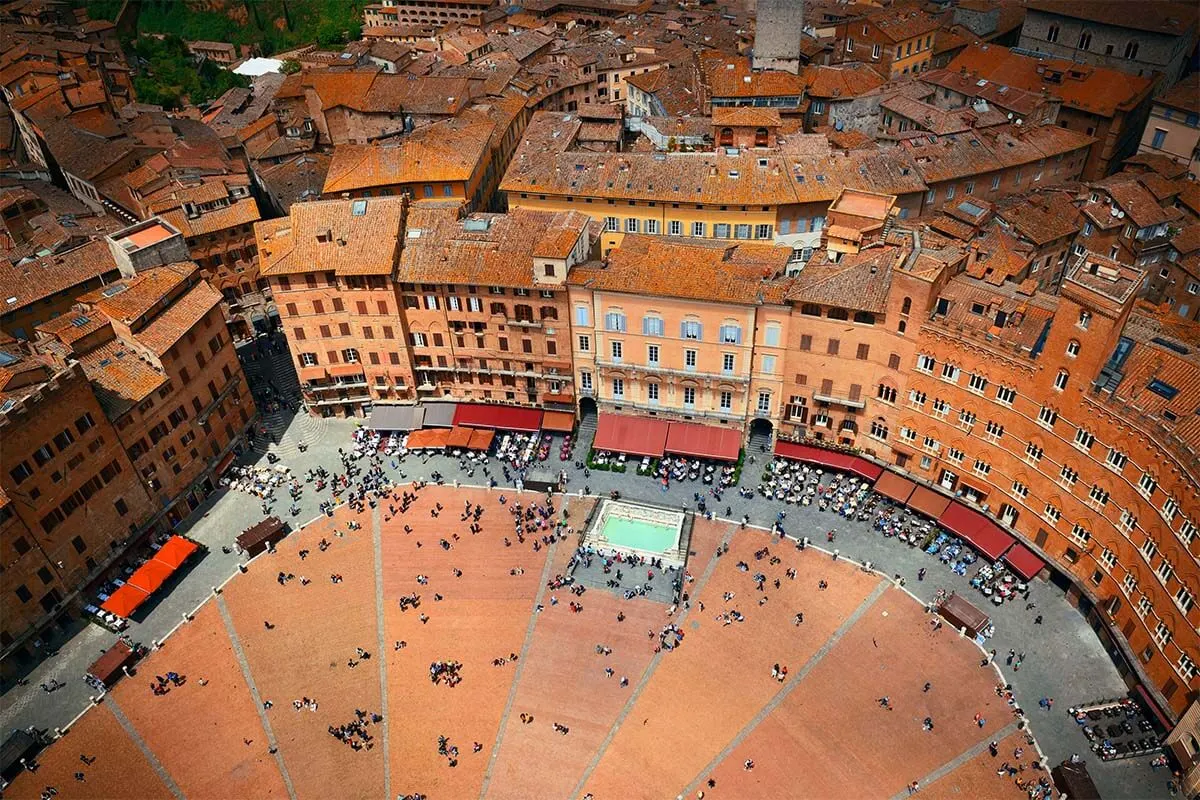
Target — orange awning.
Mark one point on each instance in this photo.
(429, 438)
(345, 370)
(176, 551)
(459, 437)
(124, 601)
(558, 421)
(894, 486)
(928, 502)
(481, 439)
(150, 576)
(312, 373)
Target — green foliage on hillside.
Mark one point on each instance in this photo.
(271, 25)
(167, 74)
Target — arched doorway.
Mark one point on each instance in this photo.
(587, 407)
(762, 433)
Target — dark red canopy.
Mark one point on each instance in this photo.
(984, 535)
(636, 436)
(505, 418)
(703, 441)
(1024, 561)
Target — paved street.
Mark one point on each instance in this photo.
(1063, 659)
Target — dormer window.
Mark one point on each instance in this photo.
(325, 235)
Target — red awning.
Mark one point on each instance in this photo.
(894, 486)
(224, 463)
(814, 455)
(505, 418)
(125, 600)
(637, 436)
(703, 441)
(928, 502)
(984, 535)
(865, 469)
(481, 439)
(150, 576)
(558, 421)
(1024, 561)
(459, 437)
(1150, 702)
(176, 550)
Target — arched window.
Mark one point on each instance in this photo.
(907, 306)
(810, 309)
(838, 313)
(1060, 382)
(864, 317)
(1052, 34)
(1131, 50)
(762, 137)
(1073, 348)
(1085, 40)
(726, 138)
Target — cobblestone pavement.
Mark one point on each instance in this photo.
(1063, 657)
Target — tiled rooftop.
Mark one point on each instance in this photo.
(348, 237)
(742, 274)
(491, 249)
(41, 277)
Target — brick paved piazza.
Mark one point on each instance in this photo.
(685, 716)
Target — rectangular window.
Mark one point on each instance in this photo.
(689, 397)
(675, 228)
(631, 225)
(585, 344)
(689, 359)
(585, 381)
(727, 362)
(726, 401)
(653, 326)
(764, 402)
(768, 364)
(652, 226)
(618, 350)
(652, 355)
(863, 352)
(698, 229)
(832, 347)
(618, 385)
(721, 230)
(614, 321)
(690, 329)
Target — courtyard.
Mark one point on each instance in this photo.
(705, 708)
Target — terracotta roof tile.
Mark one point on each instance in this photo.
(448, 150)
(42, 277)
(180, 317)
(1098, 90)
(120, 378)
(329, 235)
(492, 249)
(859, 281)
(743, 274)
